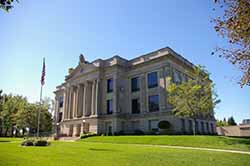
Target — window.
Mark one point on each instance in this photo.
(109, 106)
(153, 103)
(110, 85)
(202, 128)
(207, 127)
(212, 127)
(135, 106)
(135, 84)
(196, 127)
(191, 126)
(183, 125)
(153, 125)
(60, 101)
(152, 80)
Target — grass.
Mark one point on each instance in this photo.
(92, 153)
(217, 142)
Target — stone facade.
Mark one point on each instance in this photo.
(123, 96)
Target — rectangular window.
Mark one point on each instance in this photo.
(60, 101)
(110, 85)
(191, 126)
(109, 106)
(153, 103)
(152, 80)
(202, 128)
(135, 84)
(183, 125)
(212, 128)
(135, 106)
(153, 125)
(207, 127)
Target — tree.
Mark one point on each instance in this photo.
(231, 121)
(194, 98)
(17, 113)
(1, 108)
(221, 123)
(11, 105)
(233, 25)
(7, 4)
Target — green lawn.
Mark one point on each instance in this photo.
(192, 141)
(91, 153)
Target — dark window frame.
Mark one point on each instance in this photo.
(135, 109)
(110, 85)
(137, 84)
(152, 79)
(110, 106)
(155, 107)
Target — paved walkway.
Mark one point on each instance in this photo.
(182, 147)
(194, 148)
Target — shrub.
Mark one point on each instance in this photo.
(41, 143)
(86, 135)
(164, 124)
(27, 143)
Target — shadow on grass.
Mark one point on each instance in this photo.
(235, 140)
(4, 141)
(104, 150)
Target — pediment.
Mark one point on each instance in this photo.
(81, 69)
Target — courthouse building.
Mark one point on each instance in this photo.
(117, 95)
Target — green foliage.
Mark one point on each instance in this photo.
(41, 143)
(35, 142)
(220, 123)
(164, 124)
(194, 98)
(231, 121)
(233, 25)
(17, 113)
(7, 4)
(28, 143)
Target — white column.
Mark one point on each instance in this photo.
(76, 102)
(64, 104)
(67, 104)
(96, 96)
(93, 98)
(84, 100)
(56, 108)
(70, 103)
(79, 101)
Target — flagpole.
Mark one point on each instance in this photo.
(38, 119)
(41, 97)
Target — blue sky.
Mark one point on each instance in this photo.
(60, 30)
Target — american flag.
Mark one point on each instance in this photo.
(43, 73)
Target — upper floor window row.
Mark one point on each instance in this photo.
(152, 80)
(110, 85)
(135, 85)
